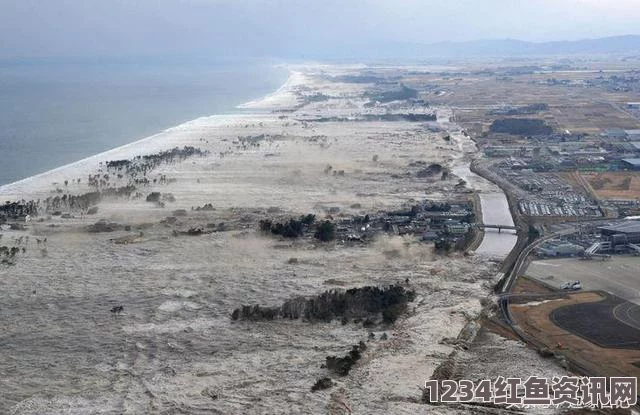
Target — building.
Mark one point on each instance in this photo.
(568, 249)
(456, 228)
(430, 236)
(560, 249)
(633, 135)
(614, 133)
(578, 149)
(499, 151)
(633, 164)
(622, 232)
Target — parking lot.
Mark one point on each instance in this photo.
(619, 275)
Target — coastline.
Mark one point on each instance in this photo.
(132, 149)
(179, 268)
(493, 245)
(55, 116)
(282, 96)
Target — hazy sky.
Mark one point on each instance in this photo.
(291, 28)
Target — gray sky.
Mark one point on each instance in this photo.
(290, 28)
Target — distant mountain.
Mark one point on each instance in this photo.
(628, 45)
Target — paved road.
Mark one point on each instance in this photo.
(520, 261)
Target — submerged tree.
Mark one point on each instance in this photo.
(326, 231)
(372, 303)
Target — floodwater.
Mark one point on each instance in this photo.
(495, 211)
(174, 349)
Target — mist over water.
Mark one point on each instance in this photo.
(54, 113)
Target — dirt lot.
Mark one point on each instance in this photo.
(615, 185)
(534, 319)
(527, 285)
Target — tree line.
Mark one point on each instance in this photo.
(376, 304)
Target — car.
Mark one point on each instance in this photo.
(571, 285)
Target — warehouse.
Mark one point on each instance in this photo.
(622, 232)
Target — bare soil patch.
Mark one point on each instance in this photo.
(535, 320)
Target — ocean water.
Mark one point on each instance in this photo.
(53, 113)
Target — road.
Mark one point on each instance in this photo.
(517, 267)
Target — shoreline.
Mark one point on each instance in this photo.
(277, 98)
(120, 152)
(283, 97)
(183, 252)
(257, 107)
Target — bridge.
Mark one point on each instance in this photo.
(498, 227)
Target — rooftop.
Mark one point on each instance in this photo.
(630, 226)
(634, 162)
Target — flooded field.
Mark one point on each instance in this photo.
(179, 268)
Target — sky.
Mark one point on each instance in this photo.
(291, 28)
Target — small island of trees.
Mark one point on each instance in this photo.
(294, 228)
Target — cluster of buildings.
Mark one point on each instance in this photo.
(614, 83)
(533, 165)
(621, 134)
(625, 145)
(620, 237)
(430, 221)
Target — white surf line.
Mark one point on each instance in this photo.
(13, 187)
